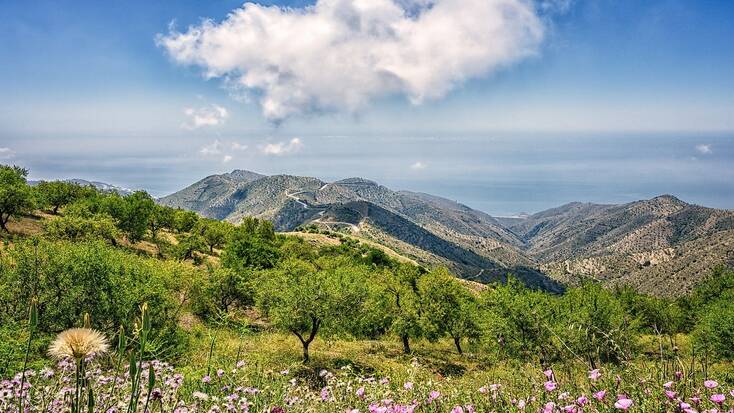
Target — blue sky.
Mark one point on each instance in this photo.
(87, 91)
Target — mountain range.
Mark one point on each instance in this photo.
(662, 245)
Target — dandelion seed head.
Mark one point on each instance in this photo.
(78, 343)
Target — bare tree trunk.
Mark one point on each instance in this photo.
(315, 324)
(406, 344)
(457, 343)
(3, 221)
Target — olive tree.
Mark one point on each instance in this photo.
(448, 308)
(519, 321)
(16, 197)
(397, 295)
(215, 233)
(306, 299)
(56, 194)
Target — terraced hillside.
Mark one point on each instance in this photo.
(662, 245)
(429, 229)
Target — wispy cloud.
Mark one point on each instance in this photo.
(217, 149)
(418, 166)
(340, 55)
(704, 149)
(211, 115)
(282, 148)
(236, 146)
(214, 148)
(6, 153)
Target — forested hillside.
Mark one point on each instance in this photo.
(312, 321)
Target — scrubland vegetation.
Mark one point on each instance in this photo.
(202, 315)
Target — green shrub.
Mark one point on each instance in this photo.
(76, 228)
(714, 332)
(594, 325)
(71, 279)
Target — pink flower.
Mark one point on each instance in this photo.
(678, 375)
(548, 373)
(623, 404)
(521, 404)
(324, 394)
(206, 379)
(549, 407)
(408, 385)
(668, 385)
(550, 385)
(483, 389)
(710, 384)
(670, 394)
(717, 398)
(433, 395)
(582, 401)
(600, 395)
(360, 392)
(457, 409)
(594, 374)
(696, 399)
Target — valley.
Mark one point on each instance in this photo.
(653, 245)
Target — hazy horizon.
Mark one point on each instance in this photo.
(500, 175)
(507, 106)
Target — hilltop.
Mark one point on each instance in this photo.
(661, 245)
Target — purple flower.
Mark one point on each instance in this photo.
(360, 392)
(600, 395)
(408, 385)
(670, 394)
(623, 404)
(594, 374)
(717, 398)
(433, 395)
(710, 384)
(548, 373)
(550, 385)
(206, 379)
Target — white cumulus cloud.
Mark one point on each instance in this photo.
(282, 148)
(704, 149)
(211, 115)
(6, 153)
(340, 54)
